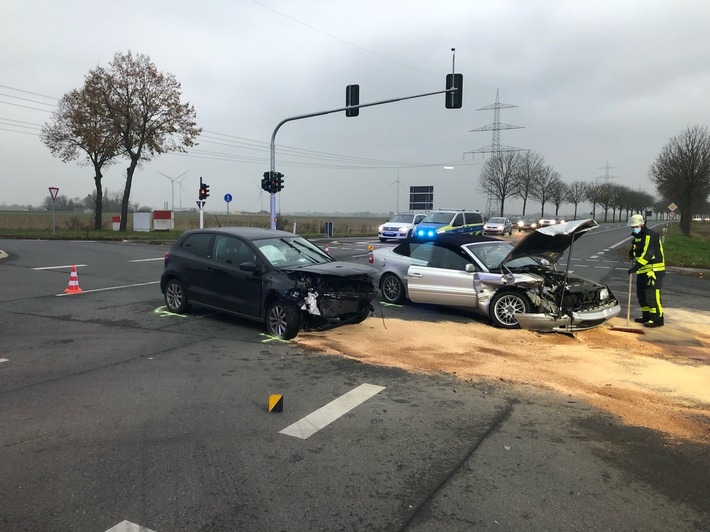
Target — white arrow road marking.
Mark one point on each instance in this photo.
(325, 415)
(127, 526)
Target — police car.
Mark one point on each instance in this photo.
(450, 222)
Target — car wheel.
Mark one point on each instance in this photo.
(176, 297)
(392, 288)
(282, 320)
(505, 305)
(383, 240)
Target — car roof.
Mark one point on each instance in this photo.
(249, 233)
(448, 240)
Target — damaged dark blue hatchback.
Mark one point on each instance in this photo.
(275, 277)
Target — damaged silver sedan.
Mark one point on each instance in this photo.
(514, 286)
(275, 277)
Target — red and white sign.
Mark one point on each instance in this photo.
(54, 191)
(671, 215)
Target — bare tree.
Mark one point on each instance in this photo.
(605, 198)
(682, 171)
(541, 186)
(80, 125)
(144, 108)
(594, 191)
(577, 194)
(559, 191)
(531, 166)
(498, 177)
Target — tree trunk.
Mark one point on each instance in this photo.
(98, 206)
(685, 217)
(127, 193)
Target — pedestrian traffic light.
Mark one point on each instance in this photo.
(203, 191)
(454, 99)
(352, 97)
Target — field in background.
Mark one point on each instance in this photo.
(81, 225)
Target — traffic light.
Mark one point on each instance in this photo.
(454, 99)
(203, 190)
(207, 190)
(266, 182)
(279, 181)
(352, 97)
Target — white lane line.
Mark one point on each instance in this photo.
(147, 260)
(127, 526)
(325, 415)
(108, 288)
(4, 360)
(59, 267)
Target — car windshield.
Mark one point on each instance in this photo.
(296, 251)
(496, 221)
(402, 218)
(491, 254)
(438, 217)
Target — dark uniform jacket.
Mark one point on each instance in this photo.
(647, 251)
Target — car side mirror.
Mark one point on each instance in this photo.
(249, 267)
(469, 268)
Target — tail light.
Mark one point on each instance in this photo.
(166, 259)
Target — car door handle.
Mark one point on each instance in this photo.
(415, 274)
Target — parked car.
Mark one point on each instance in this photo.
(544, 222)
(514, 286)
(271, 276)
(452, 222)
(400, 226)
(498, 226)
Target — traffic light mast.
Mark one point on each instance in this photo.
(352, 108)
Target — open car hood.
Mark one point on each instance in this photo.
(550, 242)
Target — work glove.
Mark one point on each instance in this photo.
(633, 269)
(651, 279)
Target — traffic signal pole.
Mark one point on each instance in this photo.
(321, 113)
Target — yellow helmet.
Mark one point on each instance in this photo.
(636, 220)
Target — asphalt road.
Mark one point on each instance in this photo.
(113, 411)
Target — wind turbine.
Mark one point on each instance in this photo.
(261, 195)
(172, 183)
(400, 185)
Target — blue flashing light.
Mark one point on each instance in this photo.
(426, 233)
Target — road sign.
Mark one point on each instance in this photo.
(672, 206)
(227, 198)
(671, 215)
(54, 191)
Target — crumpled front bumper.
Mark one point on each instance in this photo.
(578, 322)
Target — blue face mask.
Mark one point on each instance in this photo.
(636, 230)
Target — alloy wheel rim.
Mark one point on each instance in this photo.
(507, 307)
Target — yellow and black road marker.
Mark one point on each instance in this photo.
(276, 402)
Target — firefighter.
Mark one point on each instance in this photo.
(649, 265)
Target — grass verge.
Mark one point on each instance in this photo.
(688, 251)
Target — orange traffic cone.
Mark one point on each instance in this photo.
(73, 282)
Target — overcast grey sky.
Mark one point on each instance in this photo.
(594, 81)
